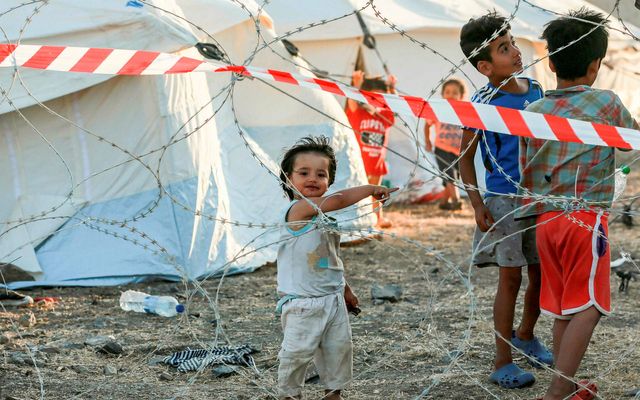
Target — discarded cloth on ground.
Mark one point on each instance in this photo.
(192, 360)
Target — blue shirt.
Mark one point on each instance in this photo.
(503, 148)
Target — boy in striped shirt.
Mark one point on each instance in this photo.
(499, 240)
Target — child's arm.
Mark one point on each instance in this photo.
(624, 117)
(468, 147)
(427, 139)
(302, 210)
(356, 81)
(391, 83)
(635, 126)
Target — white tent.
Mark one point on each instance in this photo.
(114, 179)
(419, 42)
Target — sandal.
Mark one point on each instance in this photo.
(510, 376)
(537, 354)
(585, 390)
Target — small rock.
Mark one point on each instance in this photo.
(80, 369)
(257, 348)
(388, 308)
(111, 347)
(165, 376)
(39, 363)
(100, 323)
(434, 270)
(27, 320)
(110, 370)
(377, 302)
(5, 338)
(155, 361)
(222, 371)
(72, 346)
(50, 350)
(98, 340)
(17, 359)
(393, 293)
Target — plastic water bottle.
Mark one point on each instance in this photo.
(165, 306)
(621, 181)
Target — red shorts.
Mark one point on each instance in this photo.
(575, 262)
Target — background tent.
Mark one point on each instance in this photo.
(111, 180)
(420, 45)
(626, 9)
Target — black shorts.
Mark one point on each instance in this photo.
(448, 165)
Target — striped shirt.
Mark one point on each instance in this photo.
(575, 175)
(500, 151)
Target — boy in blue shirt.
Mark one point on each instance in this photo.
(499, 240)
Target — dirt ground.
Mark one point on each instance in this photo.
(437, 341)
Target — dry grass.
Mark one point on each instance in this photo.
(400, 348)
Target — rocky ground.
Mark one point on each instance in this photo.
(437, 340)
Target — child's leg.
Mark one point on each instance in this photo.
(303, 322)
(559, 327)
(454, 195)
(446, 194)
(531, 310)
(573, 344)
(503, 311)
(444, 159)
(334, 358)
(377, 207)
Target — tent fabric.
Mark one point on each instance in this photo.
(109, 24)
(72, 181)
(413, 15)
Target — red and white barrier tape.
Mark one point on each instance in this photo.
(463, 113)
